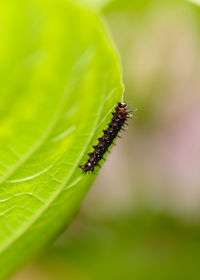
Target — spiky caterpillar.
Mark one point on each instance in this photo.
(117, 123)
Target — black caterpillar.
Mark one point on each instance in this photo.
(117, 123)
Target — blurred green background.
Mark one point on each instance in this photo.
(141, 218)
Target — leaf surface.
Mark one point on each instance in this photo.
(60, 79)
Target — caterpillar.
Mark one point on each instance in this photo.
(119, 120)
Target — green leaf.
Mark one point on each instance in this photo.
(60, 79)
(94, 4)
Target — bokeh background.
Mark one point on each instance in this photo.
(141, 219)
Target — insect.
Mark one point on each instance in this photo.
(119, 120)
